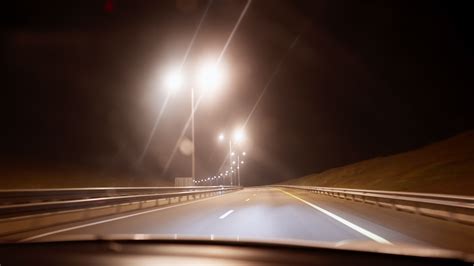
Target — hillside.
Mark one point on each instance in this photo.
(442, 167)
(23, 176)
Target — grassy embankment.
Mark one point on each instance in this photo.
(26, 176)
(442, 167)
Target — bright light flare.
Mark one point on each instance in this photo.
(221, 137)
(239, 136)
(173, 81)
(211, 76)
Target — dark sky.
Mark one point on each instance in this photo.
(81, 82)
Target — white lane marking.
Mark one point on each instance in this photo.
(355, 227)
(113, 219)
(226, 214)
(247, 199)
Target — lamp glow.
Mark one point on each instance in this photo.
(239, 136)
(210, 76)
(173, 81)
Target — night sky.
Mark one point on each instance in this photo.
(82, 84)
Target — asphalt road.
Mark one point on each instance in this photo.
(272, 213)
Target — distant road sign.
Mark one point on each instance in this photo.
(183, 181)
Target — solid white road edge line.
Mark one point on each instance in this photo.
(355, 227)
(112, 219)
(226, 214)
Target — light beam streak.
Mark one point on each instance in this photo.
(163, 107)
(221, 55)
(267, 85)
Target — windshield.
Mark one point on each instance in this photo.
(336, 122)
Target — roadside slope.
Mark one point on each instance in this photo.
(442, 167)
(32, 176)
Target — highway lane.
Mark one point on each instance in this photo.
(272, 213)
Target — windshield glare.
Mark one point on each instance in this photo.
(334, 123)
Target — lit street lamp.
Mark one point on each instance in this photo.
(210, 77)
(238, 137)
(221, 137)
(173, 81)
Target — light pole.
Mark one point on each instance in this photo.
(239, 163)
(238, 137)
(193, 155)
(231, 153)
(210, 77)
(238, 167)
(230, 162)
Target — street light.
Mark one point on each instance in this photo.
(210, 77)
(221, 137)
(239, 136)
(236, 138)
(173, 81)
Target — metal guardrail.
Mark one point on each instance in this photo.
(16, 196)
(29, 202)
(448, 207)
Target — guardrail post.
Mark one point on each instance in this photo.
(416, 209)
(450, 216)
(393, 205)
